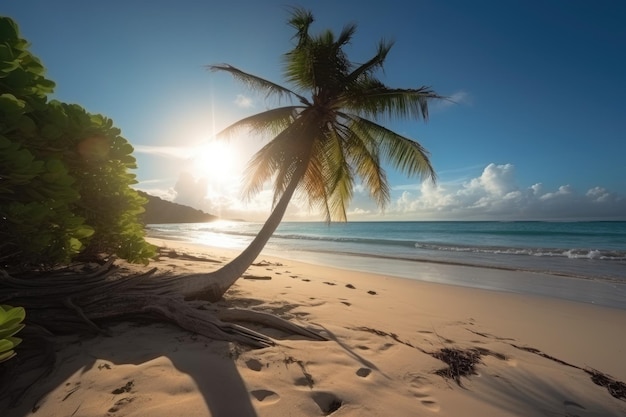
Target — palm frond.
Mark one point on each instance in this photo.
(404, 154)
(266, 163)
(340, 180)
(271, 122)
(362, 151)
(258, 83)
(376, 101)
(278, 159)
(313, 186)
(300, 20)
(374, 63)
(346, 34)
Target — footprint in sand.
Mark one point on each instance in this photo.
(431, 405)
(386, 346)
(265, 396)
(569, 405)
(363, 372)
(327, 402)
(419, 387)
(254, 365)
(120, 403)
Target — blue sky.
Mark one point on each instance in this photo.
(538, 130)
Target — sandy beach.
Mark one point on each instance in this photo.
(537, 356)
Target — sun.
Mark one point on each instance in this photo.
(216, 161)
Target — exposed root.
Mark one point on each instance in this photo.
(78, 300)
(253, 316)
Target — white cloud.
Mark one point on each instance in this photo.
(243, 101)
(495, 195)
(176, 152)
(166, 194)
(189, 190)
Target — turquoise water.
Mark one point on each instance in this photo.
(587, 252)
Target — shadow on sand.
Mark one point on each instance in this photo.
(529, 394)
(135, 367)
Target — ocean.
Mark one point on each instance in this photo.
(578, 261)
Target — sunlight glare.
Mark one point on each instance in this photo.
(215, 161)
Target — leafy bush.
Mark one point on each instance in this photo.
(64, 173)
(10, 323)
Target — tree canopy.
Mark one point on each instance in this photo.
(65, 174)
(334, 130)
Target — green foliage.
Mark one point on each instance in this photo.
(10, 323)
(64, 173)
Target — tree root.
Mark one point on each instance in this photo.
(253, 316)
(80, 300)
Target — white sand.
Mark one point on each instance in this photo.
(376, 362)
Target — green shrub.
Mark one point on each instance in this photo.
(10, 323)
(65, 180)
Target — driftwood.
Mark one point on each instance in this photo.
(83, 299)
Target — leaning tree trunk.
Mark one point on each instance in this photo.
(211, 286)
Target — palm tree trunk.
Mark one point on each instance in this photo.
(211, 286)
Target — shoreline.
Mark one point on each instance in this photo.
(608, 292)
(604, 292)
(535, 352)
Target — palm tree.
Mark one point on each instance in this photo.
(327, 140)
(320, 147)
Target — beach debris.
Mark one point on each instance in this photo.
(307, 378)
(616, 388)
(171, 253)
(461, 362)
(388, 334)
(267, 263)
(126, 388)
(256, 277)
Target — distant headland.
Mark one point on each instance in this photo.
(159, 211)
